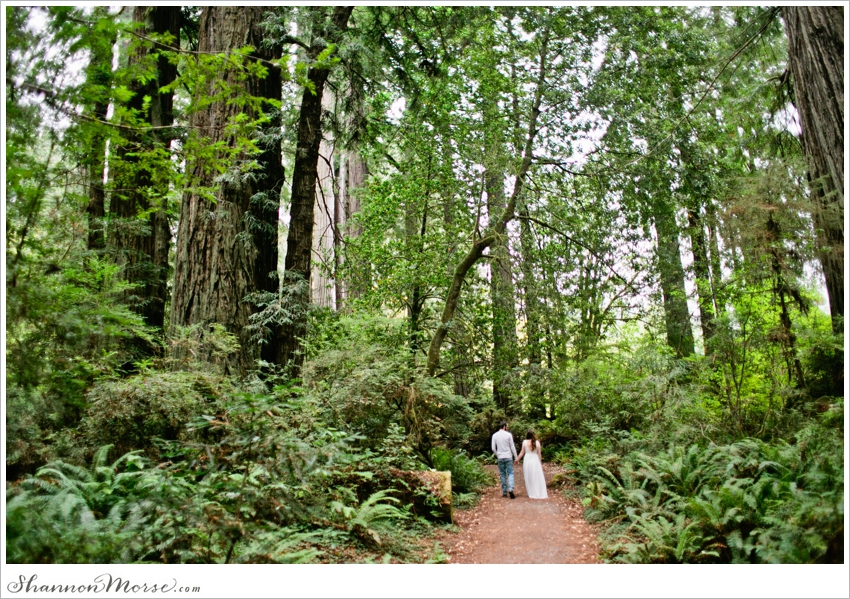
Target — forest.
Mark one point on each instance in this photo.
(271, 270)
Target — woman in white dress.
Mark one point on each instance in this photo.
(532, 467)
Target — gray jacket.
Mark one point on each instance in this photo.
(503, 445)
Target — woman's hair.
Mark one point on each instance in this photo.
(530, 435)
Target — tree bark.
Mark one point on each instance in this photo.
(501, 297)
(816, 61)
(98, 77)
(781, 289)
(144, 254)
(227, 249)
(677, 319)
(529, 289)
(352, 178)
(339, 227)
(322, 282)
(300, 237)
(693, 188)
(357, 172)
(702, 276)
(714, 267)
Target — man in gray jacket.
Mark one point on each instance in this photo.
(503, 446)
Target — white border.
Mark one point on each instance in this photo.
(491, 581)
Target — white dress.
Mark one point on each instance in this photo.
(532, 472)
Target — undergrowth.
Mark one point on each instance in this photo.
(749, 501)
(245, 485)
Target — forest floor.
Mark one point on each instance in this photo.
(500, 530)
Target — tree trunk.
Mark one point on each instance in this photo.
(300, 237)
(714, 267)
(227, 249)
(356, 174)
(415, 226)
(144, 254)
(497, 229)
(529, 289)
(816, 61)
(353, 179)
(322, 287)
(702, 276)
(339, 228)
(680, 335)
(692, 188)
(98, 77)
(780, 288)
(501, 297)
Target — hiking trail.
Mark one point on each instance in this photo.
(501, 530)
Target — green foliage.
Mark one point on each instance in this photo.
(202, 348)
(821, 351)
(139, 411)
(468, 475)
(63, 332)
(63, 329)
(729, 455)
(367, 519)
(396, 452)
(253, 472)
(482, 427)
(362, 379)
(747, 502)
(72, 514)
(244, 487)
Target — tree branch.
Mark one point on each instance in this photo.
(496, 230)
(771, 15)
(582, 245)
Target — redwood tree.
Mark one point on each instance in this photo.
(97, 96)
(142, 235)
(227, 238)
(680, 336)
(816, 63)
(329, 30)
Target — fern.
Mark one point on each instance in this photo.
(365, 520)
(747, 502)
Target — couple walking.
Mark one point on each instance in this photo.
(532, 466)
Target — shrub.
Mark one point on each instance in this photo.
(72, 514)
(29, 417)
(481, 429)
(133, 412)
(468, 475)
(746, 502)
(365, 381)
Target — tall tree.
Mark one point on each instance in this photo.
(323, 271)
(695, 186)
(529, 289)
(680, 336)
(227, 238)
(138, 205)
(502, 298)
(496, 134)
(816, 63)
(497, 227)
(98, 93)
(656, 134)
(328, 31)
(65, 314)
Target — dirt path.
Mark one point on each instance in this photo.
(522, 531)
